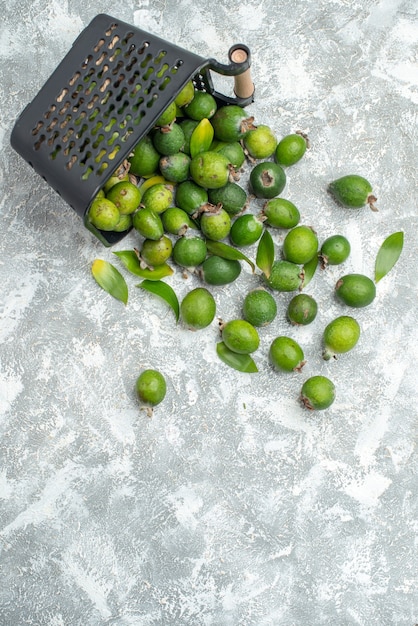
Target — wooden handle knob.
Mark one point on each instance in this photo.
(243, 84)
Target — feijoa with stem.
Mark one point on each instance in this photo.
(156, 252)
(231, 123)
(260, 142)
(286, 355)
(291, 148)
(190, 197)
(353, 191)
(281, 213)
(267, 179)
(340, 335)
(240, 336)
(198, 308)
(215, 223)
(168, 140)
(317, 393)
(259, 307)
(285, 276)
(145, 158)
(334, 250)
(302, 309)
(176, 221)
(355, 290)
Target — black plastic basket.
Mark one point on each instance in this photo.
(103, 97)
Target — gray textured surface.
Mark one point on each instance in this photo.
(232, 505)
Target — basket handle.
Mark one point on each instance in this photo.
(239, 66)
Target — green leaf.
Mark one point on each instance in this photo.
(227, 252)
(164, 291)
(130, 260)
(309, 270)
(265, 253)
(389, 253)
(240, 362)
(201, 137)
(110, 279)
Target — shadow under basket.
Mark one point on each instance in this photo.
(102, 99)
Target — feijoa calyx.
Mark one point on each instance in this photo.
(353, 191)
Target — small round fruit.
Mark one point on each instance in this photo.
(158, 197)
(151, 387)
(202, 106)
(317, 393)
(246, 230)
(232, 197)
(352, 191)
(198, 308)
(281, 213)
(334, 250)
(210, 170)
(286, 355)
(176, 221)
(103, 214)
(261, 142)
(145, 158)
(302, 309)
(240, 336)
(175, 167)
(291, 149)
(259, 307)
(148, 224)
(267, 179)
(232, 150)
(355, 290)
(125, 223)
(231, 123)
(340, 335)
(169, 140)
(186, 95)
(215, 224)
(189, 251)
(219, 271)
(190, 196)
(168, 116)
(156, 252)
(126, 196)
(285, 276)
(300, 245)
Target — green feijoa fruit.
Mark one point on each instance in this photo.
(259, 307)
(168, 140)
(233, 151)
(148, 223)
(246, 230)
(280, 213)
(189, 251)
(145, 158)
(151, 387)
(352, 191)
(215, 223)
(156, 252)
(186, 95)
(190, 197)
(187, 125)
(219, 271)
(240, 336)
(103, 214)
(300, 245)
(126, 196)
(286, 355)
(175, 167)
(118, 175)
(232, 197)
(231, 122)
(285, 276)
(291, 149)
(355, 290)
(168, 116)
(210, 170)
(334, 250)
(317, 393)
(198, 308)
(267, 179)
(125, 222)
(340, 335)
(158, 197)
(261, 142)
(202, 106)
(302, 309)
(176, 221)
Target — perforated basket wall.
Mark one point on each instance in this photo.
(100, 101)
